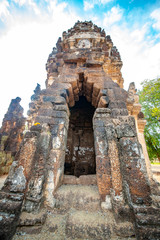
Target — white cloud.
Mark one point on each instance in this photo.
(88, 5)
(113, 16)
(4, 12)
(139, 56)
(91, 3)
(105, 1)
(156, 16)
(20, 2)
(55, 9)
(34, 7)
(28, 3)
(139, 34)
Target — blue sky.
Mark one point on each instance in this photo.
(29, 30)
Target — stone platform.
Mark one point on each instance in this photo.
(77, 215)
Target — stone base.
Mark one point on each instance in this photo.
(77, 215)
(78, 225)
(83, 180)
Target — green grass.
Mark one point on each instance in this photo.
(155, 163)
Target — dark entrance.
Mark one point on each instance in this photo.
(80, 154)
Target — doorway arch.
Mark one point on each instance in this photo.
(80, 154)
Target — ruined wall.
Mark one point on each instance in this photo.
(11, 134)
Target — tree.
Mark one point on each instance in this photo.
(150, 100)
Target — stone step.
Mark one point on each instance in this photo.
(82, 224)
(96, 225)
(147, 222)
(31, 223)
(82, 180)
(147, 233)
(146, 210)
(148, 219)
(80, 197)
(31, 219)
(77, 225)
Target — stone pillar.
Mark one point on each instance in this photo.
(55, 165)
(135, 180)
(136, 108)
(141, 125)
(21, 168)
(34, 191)
(120, 162)
(103, 167)
(107, 159)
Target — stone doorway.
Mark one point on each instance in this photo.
(80, 154)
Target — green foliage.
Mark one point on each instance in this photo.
(150, 100)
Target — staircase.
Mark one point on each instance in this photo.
(147, 223)
(77, 215)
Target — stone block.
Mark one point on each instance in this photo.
(54, 99)
(18, 180)
(59, 142)
(100, 141)
(32, 219)
(117, 104)
(8, 224)
(11, 196)
(147, 233)
(103, 164)
(9, 206)
(56, 158)
(104, 184)
(110, 132)
(52, 121)
(60, 108)
(87, 180)
(125, 130)
(125, 229)
(129, 147)
(69, 179)
(29, 230)
(123, 112)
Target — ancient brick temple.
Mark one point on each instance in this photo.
(82, 170)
